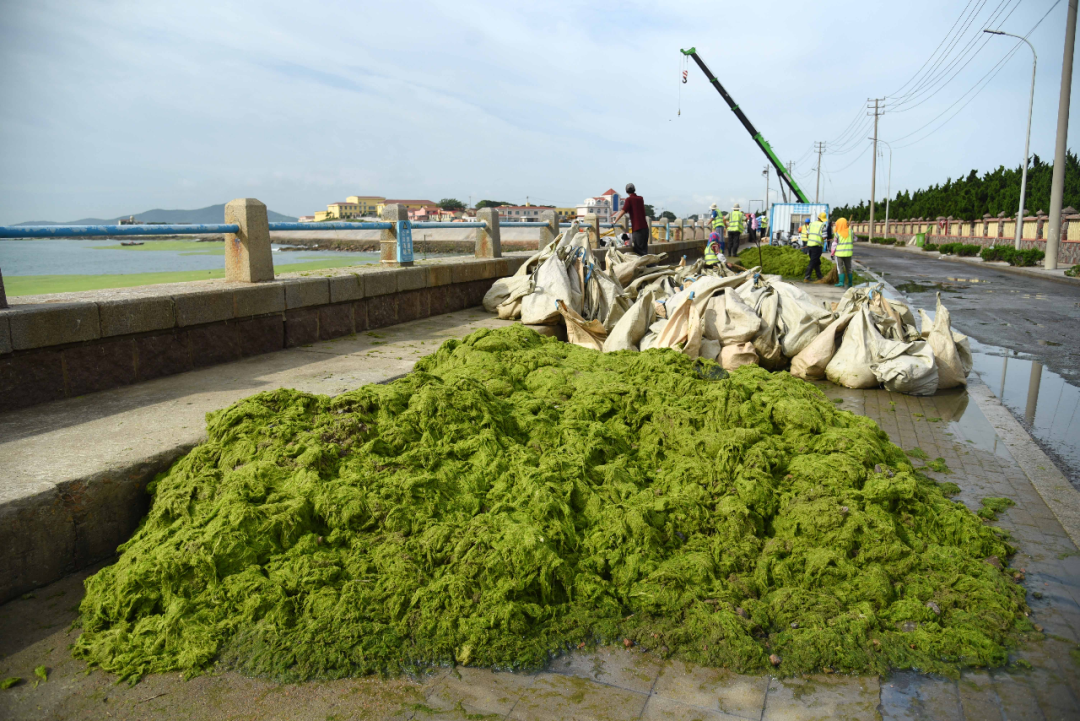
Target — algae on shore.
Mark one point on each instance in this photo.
(516, 496)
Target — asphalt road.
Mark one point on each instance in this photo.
(1027, 334)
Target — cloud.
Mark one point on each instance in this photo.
(112, 105)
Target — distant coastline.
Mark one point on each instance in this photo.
(209, 214)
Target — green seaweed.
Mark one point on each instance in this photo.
(993, 506)
(515, 497)
(9, 682)
(917, 453)
(938, 464)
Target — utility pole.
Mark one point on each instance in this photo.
(766, 174)
(873, 169)
(1057, 185)
(820, 148)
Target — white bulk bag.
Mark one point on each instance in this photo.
(632, 327)
(550, 284)
(677, 326)
(850, 366)
(710, 349)
(811, 361)
(907, 368)
(953, 366)
(735, 356)
(585, 333)
(730, 320)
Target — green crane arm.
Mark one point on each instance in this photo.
(762, 142)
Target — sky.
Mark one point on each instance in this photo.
(111, 108)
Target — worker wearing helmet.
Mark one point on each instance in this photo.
(713, 254)
(842, 252)
(816, 231)
(717, 221)
(735, 225)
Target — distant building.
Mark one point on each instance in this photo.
(343, 210)
(130, 220)
(424, 213)
(565, 215)
(602, 206)
(409, 204)
(520, 213)
(368, 205)
(306, 219)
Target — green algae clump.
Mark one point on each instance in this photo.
(515, 497)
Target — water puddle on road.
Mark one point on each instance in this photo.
(1047, 405)
(917, 287)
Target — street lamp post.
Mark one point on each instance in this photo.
(1027, 139)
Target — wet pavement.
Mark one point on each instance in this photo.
(1042, 682)
(1026, 338)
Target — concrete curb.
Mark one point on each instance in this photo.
(1060, 496)
(982, 264)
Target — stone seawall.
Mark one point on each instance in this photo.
(69, 344)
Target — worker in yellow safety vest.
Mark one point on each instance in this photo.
(843, 249)
(713, 255)
(802, 233)
(735, 225)
(764, 223)
(719, 222)
(815, 243)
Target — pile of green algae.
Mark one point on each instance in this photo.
(515, 497)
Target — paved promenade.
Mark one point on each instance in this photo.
(986, 451)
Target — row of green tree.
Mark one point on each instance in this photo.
(973, 196)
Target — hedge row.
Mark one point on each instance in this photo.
(1012, 256)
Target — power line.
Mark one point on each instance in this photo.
(989, 76)
(896, 93)
(935, 86)
(930, 75)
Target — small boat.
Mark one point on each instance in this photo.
(132, 242)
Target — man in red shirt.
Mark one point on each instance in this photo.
(634, 206)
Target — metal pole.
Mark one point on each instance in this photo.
(1057, 186)
(888, 188)
(873, 169)
(1027, 139)
(820, 147)
(767, 200)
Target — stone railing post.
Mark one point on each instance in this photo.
(248, 258)
(680, 224)
(665, 235)
(3, 295)
(591, 224)
(388, 239)
(549, 233)
(488, 238)
(1040, 221)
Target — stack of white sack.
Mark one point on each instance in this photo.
(881, 346)
(634, 304)
(568, 270)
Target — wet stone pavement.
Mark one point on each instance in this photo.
(1043, 682)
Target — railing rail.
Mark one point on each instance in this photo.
(83, 231)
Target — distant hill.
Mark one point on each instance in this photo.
(211, 214)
